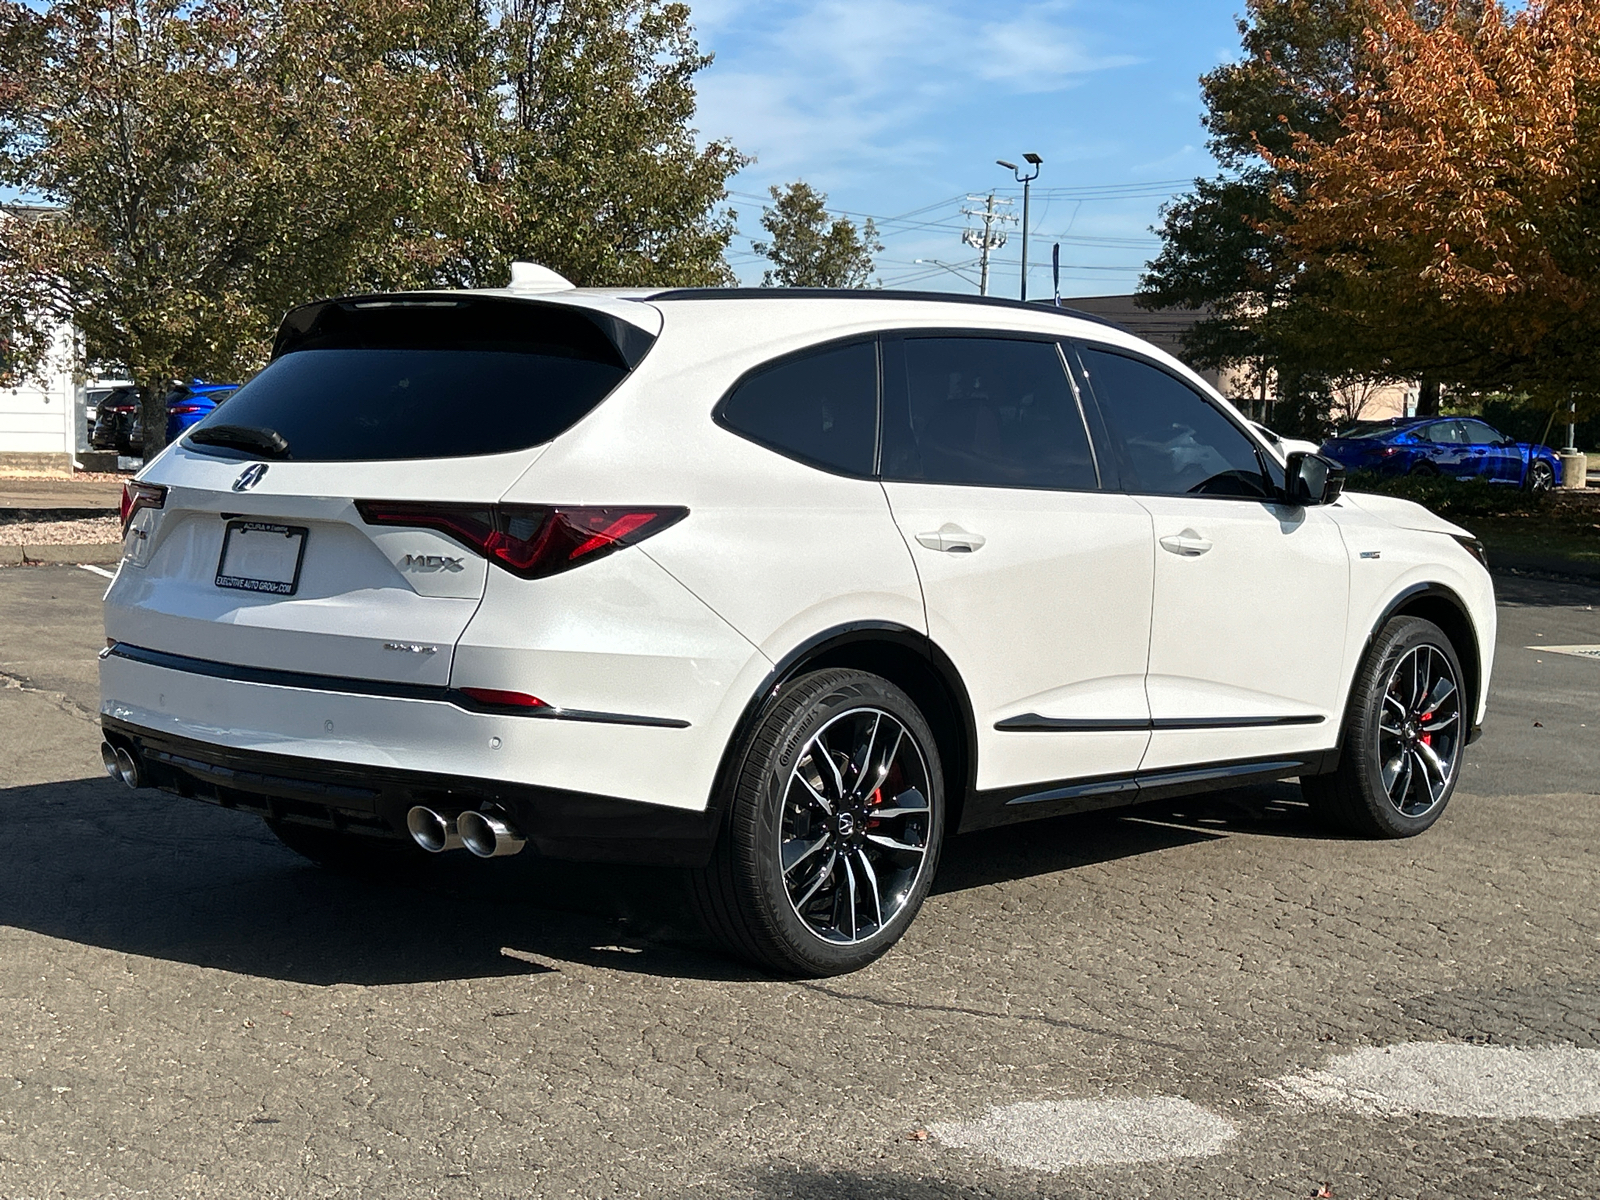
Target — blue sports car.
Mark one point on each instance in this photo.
(1462, 447)
(188, 403)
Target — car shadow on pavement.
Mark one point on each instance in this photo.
(145, 873)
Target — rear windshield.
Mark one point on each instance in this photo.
(373, 380)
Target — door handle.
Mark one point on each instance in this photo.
(952, 539)
(1188, 543)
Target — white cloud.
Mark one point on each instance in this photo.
(832, 88)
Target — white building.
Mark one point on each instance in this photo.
(42, 420)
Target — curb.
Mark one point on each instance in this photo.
(104, 553)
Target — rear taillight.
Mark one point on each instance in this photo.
(140, 495)
(531, 542)
(183, 410)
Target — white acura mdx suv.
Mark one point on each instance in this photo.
(783, 587)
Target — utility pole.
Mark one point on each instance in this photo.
(991, 237)
(1034, 161)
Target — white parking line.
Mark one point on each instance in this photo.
(1052, 1135)
(1451, 1080)
(1575, 651)
(97, 570)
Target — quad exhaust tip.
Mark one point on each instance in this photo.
(435, 832)
(488, 836)
(121, 764)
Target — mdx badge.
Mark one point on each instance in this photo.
(249, 477)
(430, 562)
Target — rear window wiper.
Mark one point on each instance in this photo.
(242, 437)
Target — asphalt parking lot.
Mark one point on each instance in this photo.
(1208, 999)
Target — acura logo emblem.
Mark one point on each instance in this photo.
(249, 477)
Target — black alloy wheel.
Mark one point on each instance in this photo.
(832, 833)
(1404, 734)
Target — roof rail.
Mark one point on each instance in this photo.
(798, 293)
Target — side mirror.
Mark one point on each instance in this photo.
(1312, 479)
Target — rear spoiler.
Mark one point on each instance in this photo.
(461, 320)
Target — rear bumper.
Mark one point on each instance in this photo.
(374, 800)
(351, 725)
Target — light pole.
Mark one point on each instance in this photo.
(1034, 161)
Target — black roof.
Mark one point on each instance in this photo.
(773, 293)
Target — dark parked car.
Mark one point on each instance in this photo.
(115, 417)
(1461, 447)
(120, 427)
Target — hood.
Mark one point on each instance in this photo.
(1403, 513)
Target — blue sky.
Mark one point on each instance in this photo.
(898, 109)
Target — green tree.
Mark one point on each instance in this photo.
(810, 250)
(593, 156)
(212, 164)
(1221, 252)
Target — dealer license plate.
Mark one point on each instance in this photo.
(260, 557)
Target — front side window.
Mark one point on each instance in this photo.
(987, 411)
(1480, 434)
(1446, 433)
(1170, 440)
(820, 407)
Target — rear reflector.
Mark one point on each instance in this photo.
(530, 542)
(140, 495)
(501, 699)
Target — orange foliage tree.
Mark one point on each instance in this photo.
(1457, 211)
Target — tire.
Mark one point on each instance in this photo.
(1402, 754)
(350, 853)
(1541, 476)
(1425, 470)
(824, 737)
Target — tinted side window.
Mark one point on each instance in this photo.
(1446, 433)
(1480, 434)
(822, 407)
(977, 410)
(1168, 438)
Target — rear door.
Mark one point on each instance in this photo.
(1037, 582)
(1248, 618)
(258, 554)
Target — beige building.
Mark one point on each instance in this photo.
(1165, 327)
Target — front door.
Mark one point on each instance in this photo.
(1248, 617)
(1502, 461)
(1037, 582)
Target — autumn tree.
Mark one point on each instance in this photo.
(1225, 245)
(808, 248)
(1457, 206)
